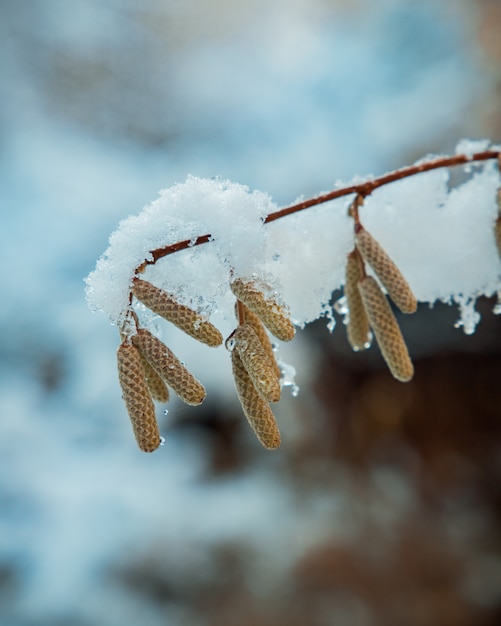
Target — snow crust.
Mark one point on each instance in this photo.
(440, 237)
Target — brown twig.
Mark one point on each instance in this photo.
(362, 189)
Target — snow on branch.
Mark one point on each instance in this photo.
(205, 245)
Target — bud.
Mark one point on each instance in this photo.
(272, 314)
(137, 397)
(165, 305)
(256, 410)
(168, 366)
(257, 363)
(385, 269)
(158, 389)
(358, 328)
(253, 320)
(386, 329)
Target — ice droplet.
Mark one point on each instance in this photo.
(288, 378)
(341, 306)
(497, 307)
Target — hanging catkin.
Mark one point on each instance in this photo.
(168, 366)
(273, 315)
(137, 397)
(386, 329)
(258, 326)
(256, 410)
(257, 363)
(165, 305)
(385, 269)
(358, 328)
(158, 389)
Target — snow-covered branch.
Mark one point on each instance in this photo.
(423, 239)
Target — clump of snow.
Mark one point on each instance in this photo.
(470, 147)
(229, 212)
(441, 238)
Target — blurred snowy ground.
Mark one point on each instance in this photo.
(103, 104)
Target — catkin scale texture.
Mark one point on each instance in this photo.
(253, 320)
(256, 410)
(358, 328)
(187, 320)
(158, 389)
(257, 363)
(386, 329)
(386, 270)
(273, 316)
(137, 397)
(168, 366)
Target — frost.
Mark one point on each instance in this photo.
(441, 239)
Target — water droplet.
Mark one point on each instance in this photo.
(162, 441)
(166, 411)
(276, 256)
(230, 343)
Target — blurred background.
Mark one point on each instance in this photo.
(383, 505)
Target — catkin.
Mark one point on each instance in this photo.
(386, 329)
(258, 326)
(168, 366)
(358, 328)
(256, 410)
(137, 397)
(165, 305)
(257, 363)
(385, 269)
(273, 316)
(158, 389)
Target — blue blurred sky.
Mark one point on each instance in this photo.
(104, 103)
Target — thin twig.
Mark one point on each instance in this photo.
(362, 189)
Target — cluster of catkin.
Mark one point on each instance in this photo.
(255, 369)
(147, 368)
(368, 307)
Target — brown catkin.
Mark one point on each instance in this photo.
(165, 305)
(158, 389)
(272, 314)
(168, 366)
(256, 410)
(358, 327)
(386, 329)
(257, 363)
(258, 326)
(385, 269)
(137, 397)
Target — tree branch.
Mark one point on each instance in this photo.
(363, 189)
